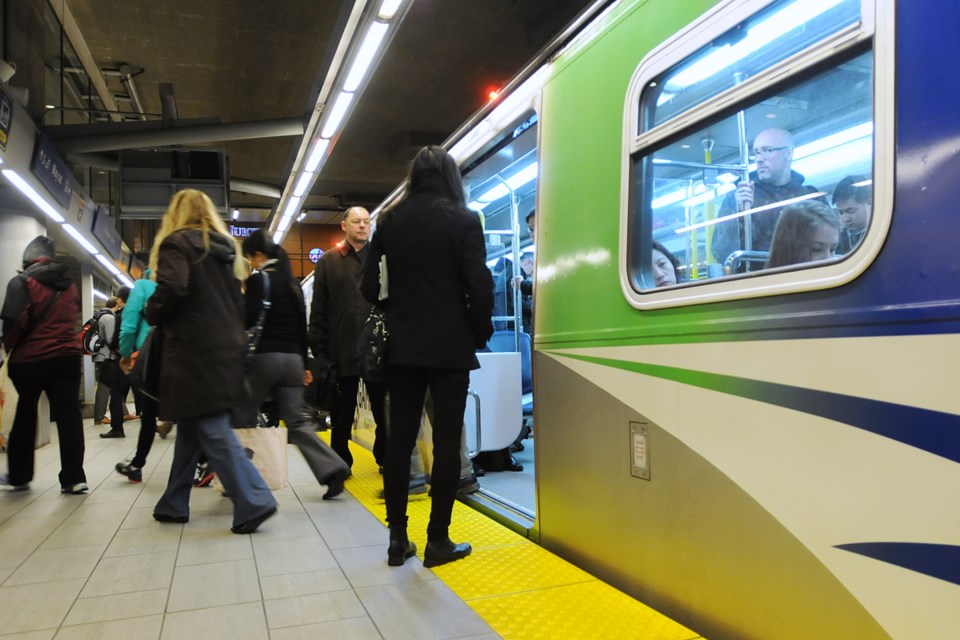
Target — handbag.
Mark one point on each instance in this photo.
(254, 333)
(371, 349)
(145, 364)
(267, 449)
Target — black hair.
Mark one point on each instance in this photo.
(435, 166)
(123, 293)
(672, 258)
(40, 248)
(111, 302)
(260, 242)
(530, 215)
(845, 190)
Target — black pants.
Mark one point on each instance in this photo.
(59, 378)
(408, 387)
(342, 417)
(119, 388)
(148, 428)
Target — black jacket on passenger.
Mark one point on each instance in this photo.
(199, 308)
(729, 235)
(338, 311)
(285, 325)
(440, 289)
(29, 330)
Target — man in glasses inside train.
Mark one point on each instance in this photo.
(771, 182)
(852, 199)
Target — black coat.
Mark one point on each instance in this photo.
(338, 311)
(440, 289)
(199, 309)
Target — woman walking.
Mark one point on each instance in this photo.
(279, 366)
(438, 312)
(198, 309)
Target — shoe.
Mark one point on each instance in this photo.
(164, 428)
(163, 517)
(5, 481)
(204, 475)
(113, 433)
(512, 464)
(443, 551)
(335, 484)
(128, 418)
(251, 525)
(400, 547)
(468, 484)
(75, 489)
(103, 420)
(135, 474)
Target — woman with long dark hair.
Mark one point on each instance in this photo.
(198, 309)
(438, 314)
(806, 232)
(279, 367)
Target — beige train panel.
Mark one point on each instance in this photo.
(688, 542)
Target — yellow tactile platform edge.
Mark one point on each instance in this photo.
(519, 588)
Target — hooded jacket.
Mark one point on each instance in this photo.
(199, 310)
(134, 325)
(32, 332)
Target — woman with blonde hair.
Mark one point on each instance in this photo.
(198, 308)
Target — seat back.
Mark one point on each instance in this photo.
(505, 342)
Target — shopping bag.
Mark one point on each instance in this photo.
(267, 449)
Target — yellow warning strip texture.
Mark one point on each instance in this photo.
(519, 588)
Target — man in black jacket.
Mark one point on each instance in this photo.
(337, 313)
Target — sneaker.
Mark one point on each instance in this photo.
(135, 474)
(468, 484)
(204, 475)
(164, 428)
(5, 481)
(113, 433)
(75, 489)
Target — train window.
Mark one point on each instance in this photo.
(758, 43)
(757, 184)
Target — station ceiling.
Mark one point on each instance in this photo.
(253, 60)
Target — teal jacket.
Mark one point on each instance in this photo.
(134, 326)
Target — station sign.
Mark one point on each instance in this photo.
(52, 171)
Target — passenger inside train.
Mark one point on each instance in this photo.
(851, 197)
(665, 266)
(805, 232)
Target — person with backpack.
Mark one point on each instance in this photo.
(40, 314)
(119, 384)
(95, 345)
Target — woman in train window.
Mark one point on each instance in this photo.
(666, 267)
(279, 366)
(198, 308)
(438, 311)
(806, 232)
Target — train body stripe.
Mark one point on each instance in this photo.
(936, 432)
(937, 560)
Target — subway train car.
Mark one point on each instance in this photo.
(765, 442)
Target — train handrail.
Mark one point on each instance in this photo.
(735, 259)
(471, 453)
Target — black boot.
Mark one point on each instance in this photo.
(400, 547)
(443, 551)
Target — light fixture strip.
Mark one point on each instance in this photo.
(388, 9)
(303, 184)
(317, 153)
(69, 228)
(365, 55)
(35, 197)
(337, 114)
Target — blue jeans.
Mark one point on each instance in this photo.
(212, 434)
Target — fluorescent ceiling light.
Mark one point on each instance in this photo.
(292, 205)
(834, 140)
(35, 197)
(316, 154)
(236, 214)
(303, 184)
(365, 55)
(337, 114)
(102, 296)
(125, 279)
(106, 262)
(69, 228)
(389, 9)
(514, 182)
(760, 35)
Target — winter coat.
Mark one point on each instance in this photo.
(285, 325)
(338, 310)
(440, 289)
(29, 294)
(134, 326)
(728, 236)
(199, 309)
